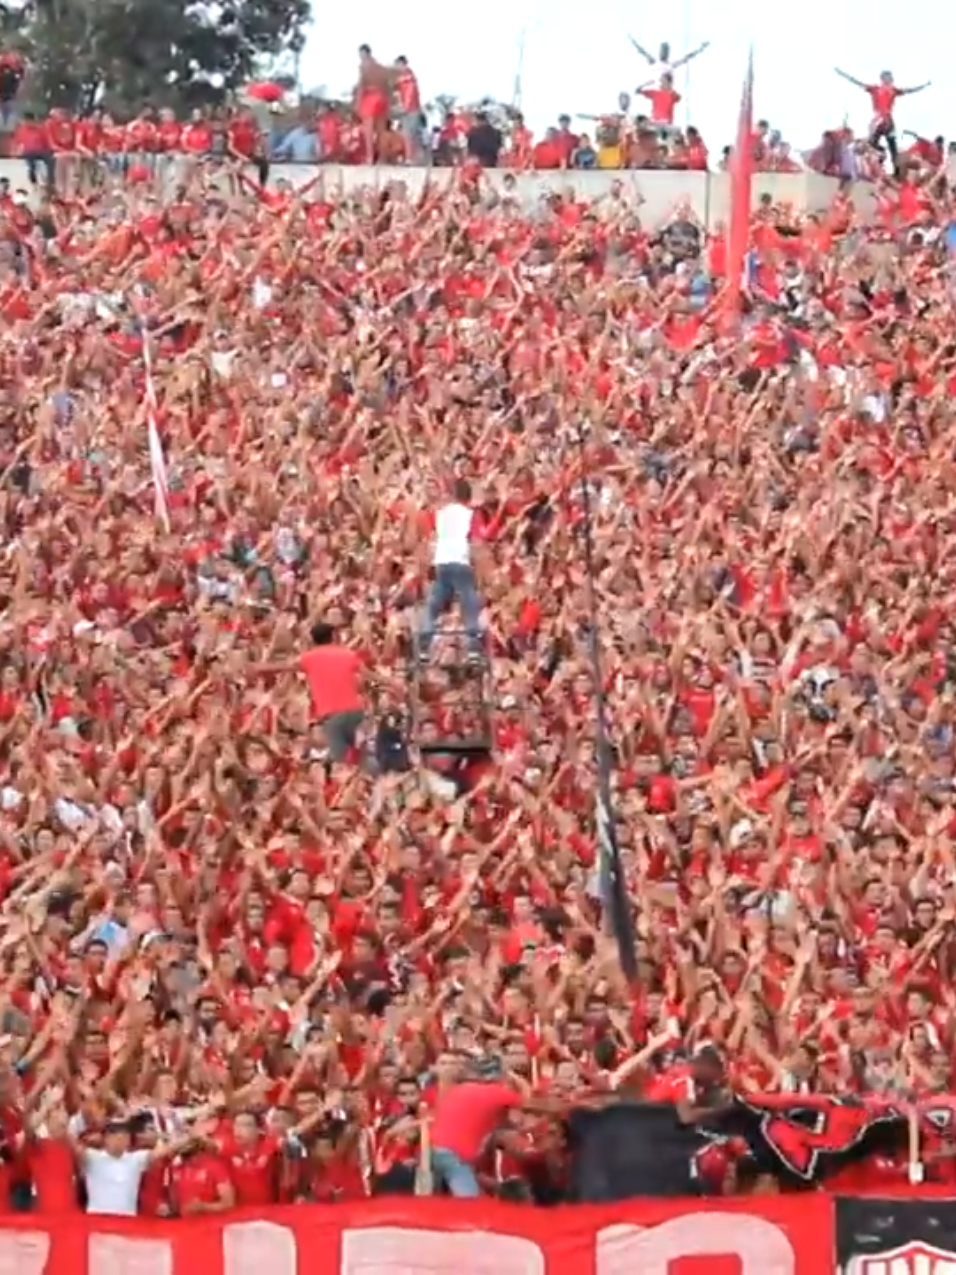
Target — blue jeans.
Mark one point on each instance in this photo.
(453, 581)
(452, 1171)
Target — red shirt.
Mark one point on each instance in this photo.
(141, 135)
(53, 1172)
(243, 136)
(31, 137)
(663, 103)
(197, 138)
(154, 1188)
(197, 1179)
(466, 1116)
(406, 89)
(169, 135)
(332, 673)
(883, 97)
(253, 1171)
(61, 132)
(114, 139)
(566, 143)
(328, 128)
(336, 1179)
(89, 135)
(673, 1085)
(546, 154)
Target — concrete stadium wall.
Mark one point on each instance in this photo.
(662, 192)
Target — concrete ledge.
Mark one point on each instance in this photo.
(708, 194)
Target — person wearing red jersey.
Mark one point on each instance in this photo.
(468, 1114)
(697, 1088)
(663, 98)
(328, 134)
(112, 144)
(169, 134)
(89, 143)
(196, 138)
(251, 1160)
(31, 141)
(397, 1141)
(245, 144)
(334, 676)
(141, 140)
(883, 95)
(409, 110)
(331, 1170)
(200, 1183)
(51, 1158)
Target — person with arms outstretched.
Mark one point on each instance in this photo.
(662, 64)
(883, 95)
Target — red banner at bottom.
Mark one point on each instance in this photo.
(762, 1235)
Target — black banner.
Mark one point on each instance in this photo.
(896, 1237)
(628, 1150)
(625, 1150)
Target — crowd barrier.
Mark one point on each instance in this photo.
(662, 192)
(810, 1234)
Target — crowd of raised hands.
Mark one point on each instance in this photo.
(200, 915)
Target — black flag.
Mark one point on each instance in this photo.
(617, 912)
(614, 898)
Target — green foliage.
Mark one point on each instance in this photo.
(125, 53)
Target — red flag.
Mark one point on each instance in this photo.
(741, 182)
(157, 457)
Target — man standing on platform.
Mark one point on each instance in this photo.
(457, 529)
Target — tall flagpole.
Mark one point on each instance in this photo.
(614, 898)
(519, 71)
(687, 37)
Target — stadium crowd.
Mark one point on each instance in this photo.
(385, 121)
(265, 967)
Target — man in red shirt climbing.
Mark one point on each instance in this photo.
(467, 1115)
(333, 673)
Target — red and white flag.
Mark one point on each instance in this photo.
(741, 185)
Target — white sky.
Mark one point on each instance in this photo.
(578, 59)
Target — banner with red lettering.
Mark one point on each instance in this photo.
(761, 1235)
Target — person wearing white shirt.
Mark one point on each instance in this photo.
(662, 65)
(457, 527)
(112, 1174)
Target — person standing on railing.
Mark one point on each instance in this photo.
(372, 101)
(408, 100)
(458, 530)
(883, 95)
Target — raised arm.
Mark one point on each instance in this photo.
(918, 89)
(689, 57)
(648, 58)
(849, 78)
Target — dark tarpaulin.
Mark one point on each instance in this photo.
(627, 1149)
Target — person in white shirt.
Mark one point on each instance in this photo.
(662, 64)
(457, 527)
(112, 1174)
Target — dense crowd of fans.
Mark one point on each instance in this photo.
(386, 121)
(265, 967)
